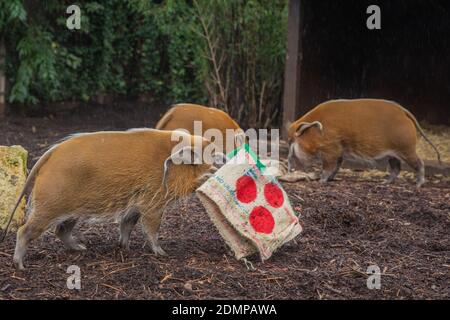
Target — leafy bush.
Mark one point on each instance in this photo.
(244, 46)
(226, 53)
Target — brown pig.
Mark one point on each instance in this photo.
(127, 175)
(183, 116)
(361, 129)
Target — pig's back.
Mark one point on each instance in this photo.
(182, 116)
(103, 166)
(360, 116)
(367, 126)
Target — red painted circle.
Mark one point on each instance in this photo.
(262, 220)
(246, 189)
(274, 195)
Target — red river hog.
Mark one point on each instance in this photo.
(184, 116)
(124, 175)
(361, 129)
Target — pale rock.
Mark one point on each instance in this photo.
(13, 173)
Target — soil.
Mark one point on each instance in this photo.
(349, 225)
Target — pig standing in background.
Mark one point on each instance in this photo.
(361, 129)
(183, 116)
(110, 174)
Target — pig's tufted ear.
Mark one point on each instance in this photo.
(306, 125)
(186, 155)
(291, 128)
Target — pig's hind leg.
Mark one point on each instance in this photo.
(417, 164)
(64, 232)
(127, 224)
(394, 167)
(31, 230)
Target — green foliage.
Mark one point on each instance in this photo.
(244, 42)
(143, 47)
(36, 72)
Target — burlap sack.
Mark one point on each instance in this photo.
(251, 210)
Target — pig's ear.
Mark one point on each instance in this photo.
(186, 155)
(306, 125)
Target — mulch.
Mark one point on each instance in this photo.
(349, 225)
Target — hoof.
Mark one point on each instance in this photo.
(76, 247)
(124, 246)
(159, 251)
(80, 247)
(19, 265)
(420, 183)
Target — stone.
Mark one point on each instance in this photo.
(13, 173)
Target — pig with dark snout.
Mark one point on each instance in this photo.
(126, 175)
(361, 129)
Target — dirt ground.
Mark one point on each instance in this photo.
(349, 225)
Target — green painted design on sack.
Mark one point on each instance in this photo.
(247, 148)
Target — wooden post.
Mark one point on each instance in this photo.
(291, 95)
(2, 80)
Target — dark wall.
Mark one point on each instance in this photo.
(408, 60)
